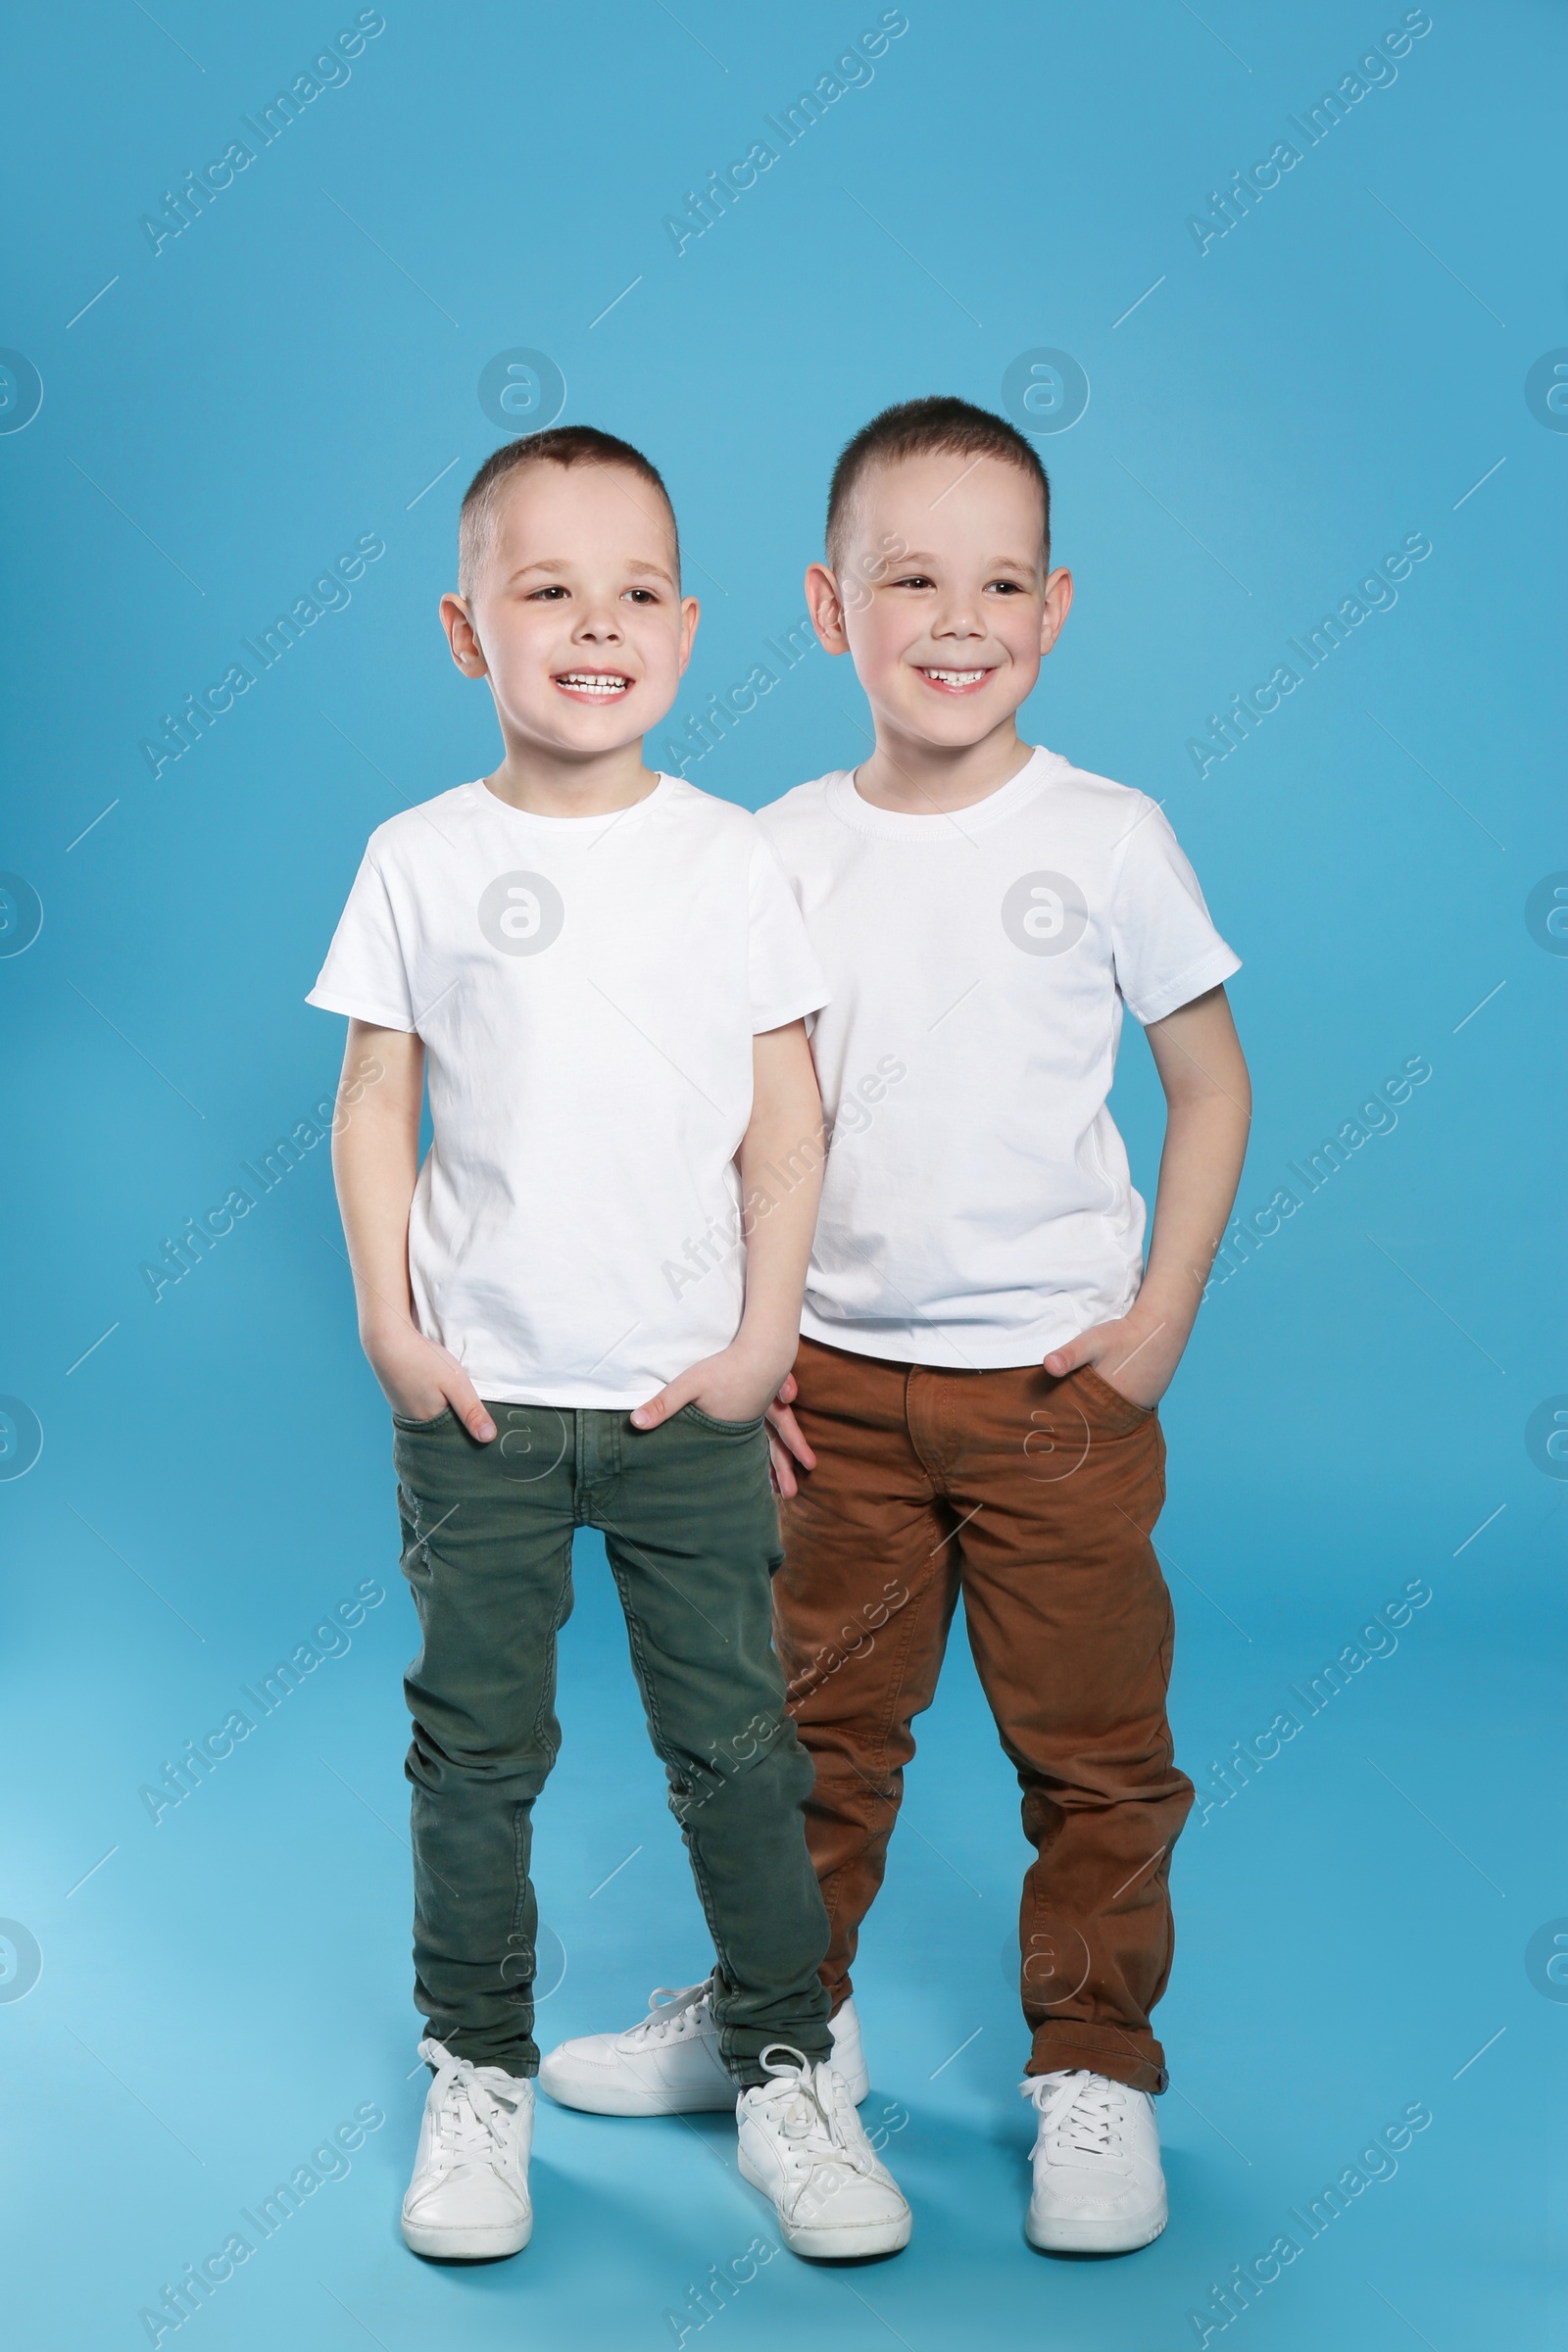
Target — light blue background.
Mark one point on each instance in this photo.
(1282, 410)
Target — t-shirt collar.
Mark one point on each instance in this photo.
(863, 816)
(569, 828)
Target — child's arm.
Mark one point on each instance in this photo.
(375, 1160)
(780, 1161)
(1208, 1109)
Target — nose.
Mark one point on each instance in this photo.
(957, 614)
(598, 622)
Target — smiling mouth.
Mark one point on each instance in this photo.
(954, 682)
(594, 685)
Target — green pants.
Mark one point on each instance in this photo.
(692, 1534)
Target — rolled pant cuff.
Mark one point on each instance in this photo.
(522, 2064)
(745, 2066)
(1136, 2059)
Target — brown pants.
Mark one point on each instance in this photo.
(1035, 1496)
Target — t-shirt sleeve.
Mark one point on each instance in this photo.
(1166, 948)
(786, 979)
(365, 974)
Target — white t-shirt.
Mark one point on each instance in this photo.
(977, 1207)
(587, 989)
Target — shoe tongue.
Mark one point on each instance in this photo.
(468, 2122)
(1088, 2125)
(804, 2117)
(792, 2111)
(800, 2118)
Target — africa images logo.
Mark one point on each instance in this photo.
(1045, 914)
(522, 913)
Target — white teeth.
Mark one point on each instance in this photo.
(957, 677)
(582, 683)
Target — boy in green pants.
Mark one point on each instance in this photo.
(973, 1405)
(603, 976)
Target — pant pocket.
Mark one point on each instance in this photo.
(1107, 1402)
(402, 1421)
(726, 1429)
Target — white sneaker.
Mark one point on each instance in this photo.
(1099, 2188)
(849, 2057)
(670, 2063)
(804, 2146)
(468, 2197)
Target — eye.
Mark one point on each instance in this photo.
(539, 596)
(1008, 587)
(912, 580)
(643, 596)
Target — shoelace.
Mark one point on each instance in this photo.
(472, 2116)
(803, 2108)
(671, 2007)
(1080, 2110)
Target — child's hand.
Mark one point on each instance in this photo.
(417, 1377)
(736, 1384)
(1136, 1355)
(786, 1438)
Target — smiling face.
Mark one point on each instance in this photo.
(575, 613)
(948, 635)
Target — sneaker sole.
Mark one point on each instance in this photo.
(595, 2098)
(836, 2245)
(619, 2097)
(466, 2245)
(1066, 2236)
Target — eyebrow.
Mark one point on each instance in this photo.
(561, 564)
(913, 559)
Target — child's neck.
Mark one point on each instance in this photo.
(544, 782)
(915, 778)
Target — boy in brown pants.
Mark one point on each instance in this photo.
(973, 1406)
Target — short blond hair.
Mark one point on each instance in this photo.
(557, 445)
(921, 428)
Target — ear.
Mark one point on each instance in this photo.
(1057, 606)
(457, 623)
(827, 607)
(689, 613)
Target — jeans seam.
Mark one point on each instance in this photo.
(547, 1687)
(519, 1870)
(580, 1510)
(596, 1493)
(935, 1471)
